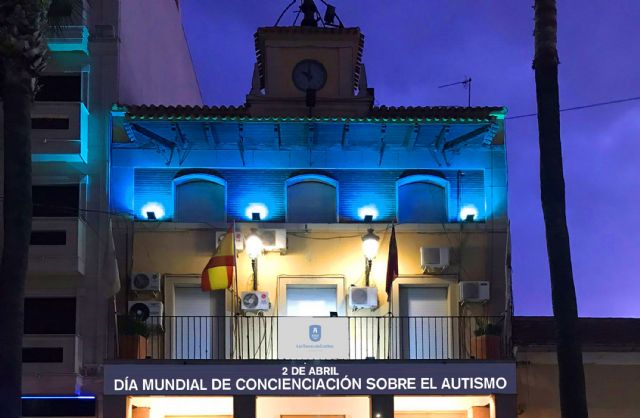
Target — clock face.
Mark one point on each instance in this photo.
(309, 75)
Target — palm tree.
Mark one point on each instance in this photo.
(573, 399)
(23, 53)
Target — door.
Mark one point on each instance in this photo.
(425, 323)
(198, 332)
(311, 300)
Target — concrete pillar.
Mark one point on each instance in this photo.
(506, 406)
(382, 406)
(114, 406)
(244, 406)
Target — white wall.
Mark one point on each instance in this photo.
(349, 406)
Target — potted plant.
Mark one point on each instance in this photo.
(132, 341)
(486, 342)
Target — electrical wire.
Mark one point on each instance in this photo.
(587, 106)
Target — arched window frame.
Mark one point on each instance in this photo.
(311, 177)
(425, 178)
(188, 178)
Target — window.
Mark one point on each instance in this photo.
(50, 315)
(312, 198)
(306, 300)
(200, 198)
(422, 198)
(60, 88)
(57, 200)
(61, 123)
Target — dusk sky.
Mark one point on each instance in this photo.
(413, 46)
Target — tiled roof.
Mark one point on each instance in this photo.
(381, 113)
(436, 112)
(614, 333)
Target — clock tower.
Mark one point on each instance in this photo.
(309, 71)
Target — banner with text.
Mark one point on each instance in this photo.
(312, 378)
(323, 338)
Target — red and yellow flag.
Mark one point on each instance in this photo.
(218, 273)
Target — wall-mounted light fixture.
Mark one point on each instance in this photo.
(253, 246)
(368, 213)
(468, 213)
(152, 211)
(370, 245)
(256, 212)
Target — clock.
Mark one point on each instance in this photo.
(309, 75)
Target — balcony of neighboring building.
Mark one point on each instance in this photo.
(59, 231)
(60, 119)
(52, 349)
(71, 33)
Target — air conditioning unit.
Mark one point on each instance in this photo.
(145, 282)
(434, 257)
(363, 297)
(239, 239)
(149, 311)
(254, 301)
(473, 291)
(273, 239)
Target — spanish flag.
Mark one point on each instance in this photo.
(218, 274)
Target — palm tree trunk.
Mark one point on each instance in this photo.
(573, 400)
(16, 93)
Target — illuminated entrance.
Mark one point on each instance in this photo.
(310, 407)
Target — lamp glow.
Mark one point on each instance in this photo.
(370, 210)
(152, 207)
(258, 208)
(253, 245)
(370, 244)
(468, 212)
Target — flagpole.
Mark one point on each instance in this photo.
(235, 288)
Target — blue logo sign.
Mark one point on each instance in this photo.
(315, 333)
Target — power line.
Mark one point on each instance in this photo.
(630, 99)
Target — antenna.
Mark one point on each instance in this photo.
(466, 83)
(312, 16)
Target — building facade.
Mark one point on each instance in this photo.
(611, 358)
(71, 275)
(316, 185)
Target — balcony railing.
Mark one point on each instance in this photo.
(380, 338)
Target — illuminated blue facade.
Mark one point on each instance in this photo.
(146, 164)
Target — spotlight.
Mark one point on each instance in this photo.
(152, 211)
(468, 213)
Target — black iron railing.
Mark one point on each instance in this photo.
(256, 338)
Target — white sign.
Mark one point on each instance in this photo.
(317, 338)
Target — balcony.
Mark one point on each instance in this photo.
(51, 353)
(318, 338)
(60, 131)
(73, 34)
(57, 246)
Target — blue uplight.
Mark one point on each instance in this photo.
(368, 210)
(154, 207)
(58, 397)
(259, 208)
(467, 211)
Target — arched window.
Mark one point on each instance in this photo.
(312, 198)
(200, 198)
(422, 198)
